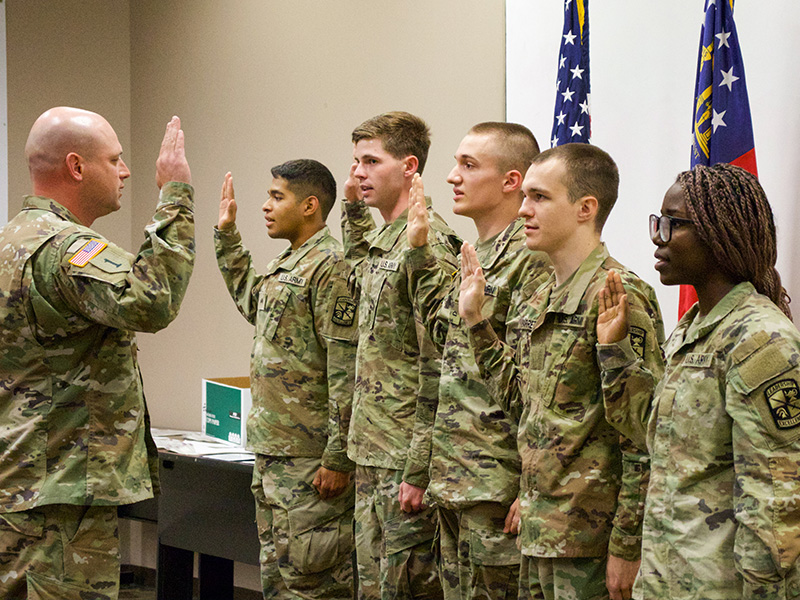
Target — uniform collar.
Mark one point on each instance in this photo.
(692, 331)
(385, 238)
(50, 205)
(288, 259)
(568, 297)
(501, 242)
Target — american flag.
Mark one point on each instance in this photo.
(572, 120)
(89, 250)
(722, 130)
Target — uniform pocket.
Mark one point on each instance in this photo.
(318, 541)
(409, 530)
(493, 549)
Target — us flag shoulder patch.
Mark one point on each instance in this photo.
(87, 252)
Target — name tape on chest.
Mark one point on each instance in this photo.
(783, 399)
(490, 290)
(527, 324)
(569, 320)
(697, 360)
(292, 279)
(389, 265)
(87, 252)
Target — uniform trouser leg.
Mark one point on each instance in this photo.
(478, 561)
(312, 539)
(563, 578)
(60, 552)
(406, 561)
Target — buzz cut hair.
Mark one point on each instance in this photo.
(307, 177)
(515, 145)
(589, 171)
(402, 134)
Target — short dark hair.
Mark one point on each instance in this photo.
(402, 134)
(307, 177)
(590, 171)
(516, 145)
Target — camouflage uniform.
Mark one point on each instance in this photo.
(464, 436)
(396, 366)
(581, 489)
(75, 429)
(722, 517)
(301, 376)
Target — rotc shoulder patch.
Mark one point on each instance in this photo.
(344, 311)
(87, 252)
(638, 337)
(783, 399)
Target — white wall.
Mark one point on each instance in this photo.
(643, 66)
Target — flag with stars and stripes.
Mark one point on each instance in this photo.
(572, 120)
(721, 127)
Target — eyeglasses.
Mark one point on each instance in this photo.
(662, 226)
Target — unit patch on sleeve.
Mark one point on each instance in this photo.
(783, 399)
(638, 337)
(344, 311)
(87, 252)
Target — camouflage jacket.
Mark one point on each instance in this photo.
(465, 437)
(721, 519)
(303, 358)
(583, 482)
(73, 423)
(397, 364)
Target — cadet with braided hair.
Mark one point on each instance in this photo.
(724, 428)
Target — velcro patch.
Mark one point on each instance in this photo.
(569, 320)
(638, 337)
(292, 279)
(344, 311)
(87, 252)
(783, 399)
(698, 360)
(389, 265)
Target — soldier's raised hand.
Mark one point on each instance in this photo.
(352, 187)
(227, 204)
(473, 284)
(418, 224)
(171, 164)
(612, 318)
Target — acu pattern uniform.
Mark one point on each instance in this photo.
(582, 486)
(464, 435)
(75, 439)
(301, 376)
(396, 367)
(722, 517)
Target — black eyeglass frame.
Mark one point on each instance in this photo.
(662, 224)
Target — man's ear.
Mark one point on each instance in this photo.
(411, 164)
(512, 181)
(587, 211)
(75, 166)
(310, 206)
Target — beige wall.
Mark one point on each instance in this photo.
(57, 55)
(257, 83)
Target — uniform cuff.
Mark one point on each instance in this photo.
(617, 355)
(176, 192)
(624, 546)
(421, 258)
(338, 461)
(482, 335)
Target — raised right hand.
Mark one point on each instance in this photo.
(612, 317)
(418, 225)
(352, 187)
(227, 204)
(473, 284)
(171, 164)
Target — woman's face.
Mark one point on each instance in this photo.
(686, 258)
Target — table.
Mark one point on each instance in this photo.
(206, 507)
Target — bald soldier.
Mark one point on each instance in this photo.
(74, 430)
